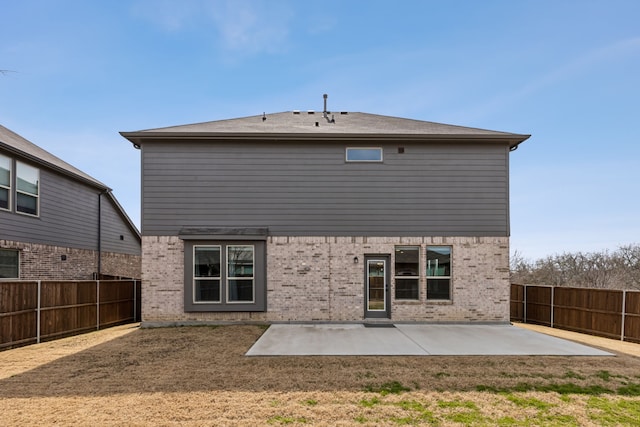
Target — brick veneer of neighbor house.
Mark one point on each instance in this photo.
(45, 262)
(316, 279)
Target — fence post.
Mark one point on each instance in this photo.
(524, 304)
(97, 305)
(553, 293)
(135, 300)
(624, 309)
(38, 313)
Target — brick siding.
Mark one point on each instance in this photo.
(45, 262)
(316, 279)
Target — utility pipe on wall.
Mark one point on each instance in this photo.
(99, 235)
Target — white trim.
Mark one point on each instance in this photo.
(194, 278)
(252, 278)
(346, 155)
(36, 196)
(9, 191)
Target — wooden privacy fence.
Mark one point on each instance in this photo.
(39, 310)
(604, 312)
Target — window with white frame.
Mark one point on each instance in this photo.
(5, 182)
(363, 154)
(438, 272)
(407, 272)
(9, 264)
(27, 189)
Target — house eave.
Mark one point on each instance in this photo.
(38, 161)
(139, 138)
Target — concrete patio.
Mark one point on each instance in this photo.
(412, 340)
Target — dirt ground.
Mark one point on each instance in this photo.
(200, 376)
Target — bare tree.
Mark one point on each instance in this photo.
(617, 270)
(628, 263)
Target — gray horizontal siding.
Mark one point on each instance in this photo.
(303, 189)
(69, 218)
(113, 227)
(68, 212)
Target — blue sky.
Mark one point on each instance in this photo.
(566, 72)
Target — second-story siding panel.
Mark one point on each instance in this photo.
(309, 189)
(67, 217)
(116, 236)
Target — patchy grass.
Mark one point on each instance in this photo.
(311, 402)
(279, 419)
(392, 387)
(530, 402)
(199, 375)
(369, 403)
(573, 375)
(562, 388)
(629, 390)
(615, 412)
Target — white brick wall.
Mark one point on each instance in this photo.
(316, 279)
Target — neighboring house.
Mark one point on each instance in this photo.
(324, 216)
(58, 223)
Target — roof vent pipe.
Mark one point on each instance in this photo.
(324, 112)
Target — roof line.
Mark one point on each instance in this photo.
(136, 138)
(123, 213)
(93, 182)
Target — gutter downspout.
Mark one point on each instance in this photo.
(99, 273)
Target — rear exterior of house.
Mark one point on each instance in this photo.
(319, 216)
(58, 223)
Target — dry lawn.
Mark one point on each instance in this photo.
(200, 376)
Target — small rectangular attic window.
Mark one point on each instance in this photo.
(363, 154)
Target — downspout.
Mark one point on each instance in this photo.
(99, 236)
(100, 233)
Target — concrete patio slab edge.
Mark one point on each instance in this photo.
(343, 339)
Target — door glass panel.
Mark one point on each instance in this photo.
(376, 277)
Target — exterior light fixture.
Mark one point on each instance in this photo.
(355, 260)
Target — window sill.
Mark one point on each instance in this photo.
(407, 302)
(439, 302)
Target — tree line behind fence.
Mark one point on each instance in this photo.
(619, 269)
(35, 311)
(603, 312)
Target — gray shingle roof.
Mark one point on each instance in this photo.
(13, 142)
(312, 125)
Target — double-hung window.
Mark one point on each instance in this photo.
(438, 272)
(27, 189)
(234, 280)
(225, 276)
(5, 182)
(407, 272)
(206, 274)
(240, 267)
